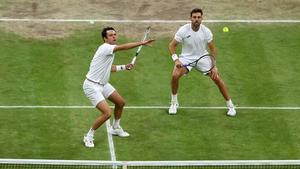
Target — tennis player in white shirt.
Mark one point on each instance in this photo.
(195, 38)
(97, 87)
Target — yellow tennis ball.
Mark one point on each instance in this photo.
(225, 29)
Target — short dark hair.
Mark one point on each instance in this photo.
(104, 32)
(196, 10)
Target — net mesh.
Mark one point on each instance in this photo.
(217, 167)
(50, 166)
(43, 166)
(78, 164)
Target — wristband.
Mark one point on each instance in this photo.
(120, 68)
(174, 57)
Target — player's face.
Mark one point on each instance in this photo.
(111, 37)
(196, 19)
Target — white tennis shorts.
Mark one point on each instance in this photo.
(97, 92)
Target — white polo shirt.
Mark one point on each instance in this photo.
(100, 67)
(194, 44)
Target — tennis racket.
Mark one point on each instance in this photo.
(204, 64)
(147, 31)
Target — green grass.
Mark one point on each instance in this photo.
(50, 134)
(210, 135)
(258, 62)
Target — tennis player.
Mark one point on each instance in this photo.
(97, 88)
(195, 38)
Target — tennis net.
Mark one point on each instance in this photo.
(80, 164)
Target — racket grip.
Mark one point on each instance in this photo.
(133, 60)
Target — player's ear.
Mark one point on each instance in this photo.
(104, 38)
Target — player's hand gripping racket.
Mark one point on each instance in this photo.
(147, 31)
(204, 64)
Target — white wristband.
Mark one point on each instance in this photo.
(120, 68)
(174, 57)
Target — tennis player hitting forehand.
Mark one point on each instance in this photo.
(195, 38)
(97, 88)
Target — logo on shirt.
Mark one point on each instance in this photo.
(188, 36)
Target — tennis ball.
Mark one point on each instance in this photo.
(92, 22)
(225, 29)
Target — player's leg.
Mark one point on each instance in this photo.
(106, 113)
(103, 107)
(119, 102)
(222, 87)
(113, 95)
(176, 75)
(93, 92)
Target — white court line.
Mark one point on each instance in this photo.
(149, 21)
(155, 107)
(110, 142)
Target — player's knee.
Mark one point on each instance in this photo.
(175, 76)
(107, 114)
(121, 103)
(217, 79)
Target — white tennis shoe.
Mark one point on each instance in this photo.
(88, 141)
(118, 132)
(231, 112)
(173, 108)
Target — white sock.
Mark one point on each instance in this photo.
(174, 98)
(229, 104)
(116, 123)
(91, 132)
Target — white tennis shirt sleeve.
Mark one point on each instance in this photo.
(194, 44)
(100, 67)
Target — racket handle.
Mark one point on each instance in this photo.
(133, 60)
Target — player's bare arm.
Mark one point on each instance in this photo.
(172, 48)
(132, 45)
(213, 53)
